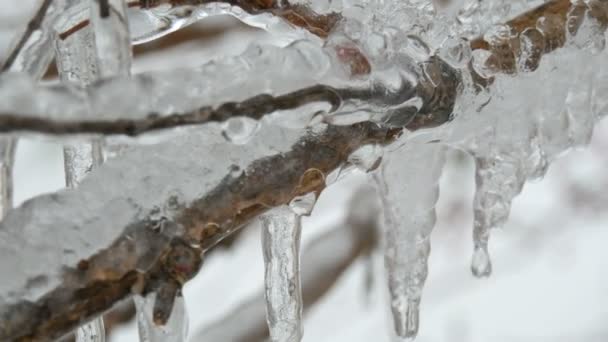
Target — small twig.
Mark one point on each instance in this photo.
(438, 102)
(34, 24)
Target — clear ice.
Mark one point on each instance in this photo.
(176, 328)
(281, 230)
(511, 135)
(407, 182)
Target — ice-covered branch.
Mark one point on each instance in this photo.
(146, 233)
(135, 237)
(186, 97)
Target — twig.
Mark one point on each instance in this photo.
(438, 102)
(32, 26)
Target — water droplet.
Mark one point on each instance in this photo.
(235, 171)
(481, 265)
(303, 205)
(239, 130)
(366, 158)
(456, 52)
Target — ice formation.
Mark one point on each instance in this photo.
(407, 183)
(281, 230)
(174, 330)
(396, 68)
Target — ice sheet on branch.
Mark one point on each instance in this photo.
(171, 91)
(51, 232)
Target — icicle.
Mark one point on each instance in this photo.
(499, 177)
(281, 230)
(112, 40)
(7, 157)
(77, 65)
(407, 184)
(75, 53)
(174, 330)
(91, 332)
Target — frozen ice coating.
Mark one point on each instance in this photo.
(105, 47)
(167, 173)
(176, 328)
(399, 67)
(306, 62)
(516, 140)
(112, 40)
(407, 182)
(281, 229)
(157, 21)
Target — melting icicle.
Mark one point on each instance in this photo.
(281, 230)
(91, 332)
(408, 186)
(174, 330)
(499, 178)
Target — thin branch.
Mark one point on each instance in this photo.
(255, 107)
(438, 94)
(33, 25)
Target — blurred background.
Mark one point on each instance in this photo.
(550, 262)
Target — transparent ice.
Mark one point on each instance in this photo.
(378, 46)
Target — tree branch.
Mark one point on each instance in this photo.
(92, 285)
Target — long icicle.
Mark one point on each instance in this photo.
(408, 186)
(281, 230)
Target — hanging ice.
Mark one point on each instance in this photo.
(281, 230)
(112, 41)
(91, 332)
(407, 184)
(174, 330)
